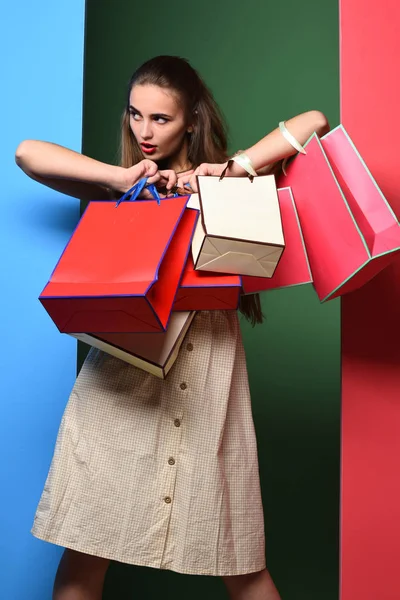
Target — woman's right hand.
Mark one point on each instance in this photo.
(128, 177)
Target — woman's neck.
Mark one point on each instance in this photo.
(179, 162)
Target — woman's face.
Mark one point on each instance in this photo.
(157, 121)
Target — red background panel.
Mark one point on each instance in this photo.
(370, 503)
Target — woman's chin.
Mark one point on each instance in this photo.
(156, 156)
(150, 155)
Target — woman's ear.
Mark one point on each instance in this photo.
(190, 128)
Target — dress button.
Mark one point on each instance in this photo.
(171, 461)
(177, 423)
(189, 347)
(183, 386)
(167, 500)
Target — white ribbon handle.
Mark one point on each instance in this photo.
(244, 161)
(290, 138)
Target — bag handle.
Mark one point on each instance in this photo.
(133, 194)
(244, 161)
(292, 141)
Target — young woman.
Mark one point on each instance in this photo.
(149, 472)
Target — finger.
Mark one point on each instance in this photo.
(184, 178)
(144, 168)
(183, 187)
(186, 174)
(150, 168)
(155, 178)
(193, 183)
(145, 194)
(204, 169)
(169, 177)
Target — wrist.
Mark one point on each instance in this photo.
(236, 170)
(115, 178)
(242, 165)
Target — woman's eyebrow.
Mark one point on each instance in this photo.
(153, 115)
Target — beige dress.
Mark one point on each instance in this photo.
(161, 473)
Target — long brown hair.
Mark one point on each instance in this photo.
(207, 142)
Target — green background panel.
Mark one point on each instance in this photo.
(264, 62)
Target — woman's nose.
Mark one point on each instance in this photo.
(146, 131)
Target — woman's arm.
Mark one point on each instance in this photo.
(80, 176)
(274, 147)
(67, 171)
(269, 150)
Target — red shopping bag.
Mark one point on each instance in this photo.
(375, 218)
(349, 229)
(121, 268)
(293, 267)
(203, 290)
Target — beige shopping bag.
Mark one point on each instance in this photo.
(152, 352)
(240, 227)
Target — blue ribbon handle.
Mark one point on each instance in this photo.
(133, 194)
(154, 192)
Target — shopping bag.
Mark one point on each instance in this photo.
(121, 268)
(152, 352)
(375, 218)
(240, 228)
(349, 229)
(294, 267)
(203, 290)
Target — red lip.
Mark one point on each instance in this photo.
(148, 148)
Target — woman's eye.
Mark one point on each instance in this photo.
(161, 120)
(135, 116)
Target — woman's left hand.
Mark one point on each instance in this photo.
(211, 169)
(164, 180)
(183, 179)
(203, 169)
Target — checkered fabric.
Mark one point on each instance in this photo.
(161, 473)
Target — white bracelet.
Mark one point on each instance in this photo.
(290, 138)
(245, 162)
